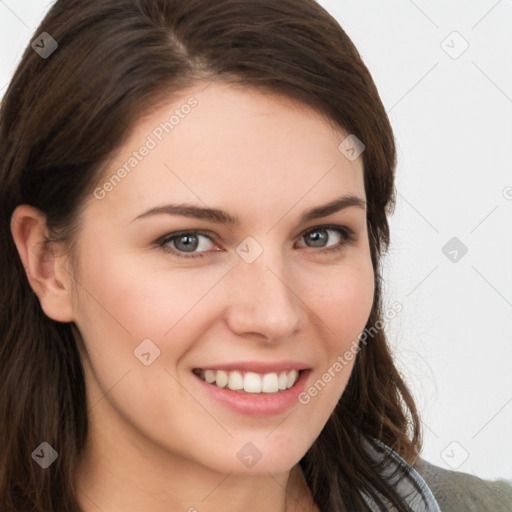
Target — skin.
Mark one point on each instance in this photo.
(157, 440)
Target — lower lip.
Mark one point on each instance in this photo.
(257, 404)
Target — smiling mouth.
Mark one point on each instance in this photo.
(249, 382)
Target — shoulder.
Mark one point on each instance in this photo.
(461, 492)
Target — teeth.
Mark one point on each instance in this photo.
(221, 379)
(250, 382)
(283, 380)
(291, 378)
(209, 376)
(270, 383)
(235, 381)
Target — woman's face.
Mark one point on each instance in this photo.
(257, 298)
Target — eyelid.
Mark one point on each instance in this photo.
(336, 227)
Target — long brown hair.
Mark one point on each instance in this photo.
(62, 117)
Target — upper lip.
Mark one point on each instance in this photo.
(257, 367)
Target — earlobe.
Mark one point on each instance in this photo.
(45, 270)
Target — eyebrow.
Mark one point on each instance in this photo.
(221, 217)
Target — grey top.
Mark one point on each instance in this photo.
(429, 488)
(461, 492)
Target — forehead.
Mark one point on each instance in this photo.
(228, 145)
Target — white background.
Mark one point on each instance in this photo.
(452, 117)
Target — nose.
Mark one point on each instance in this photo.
(263, 301)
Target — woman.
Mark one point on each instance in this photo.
(194, 206)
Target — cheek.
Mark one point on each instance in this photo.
(346, 303)
(344, 308)
(123, 301)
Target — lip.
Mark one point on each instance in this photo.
(254, 404)
(258, 367)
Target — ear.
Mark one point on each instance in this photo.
(46, 271)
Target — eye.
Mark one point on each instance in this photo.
(319, 235)
(186, 241)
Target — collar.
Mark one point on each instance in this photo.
(412, 487)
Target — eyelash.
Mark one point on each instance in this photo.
(347, 234)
